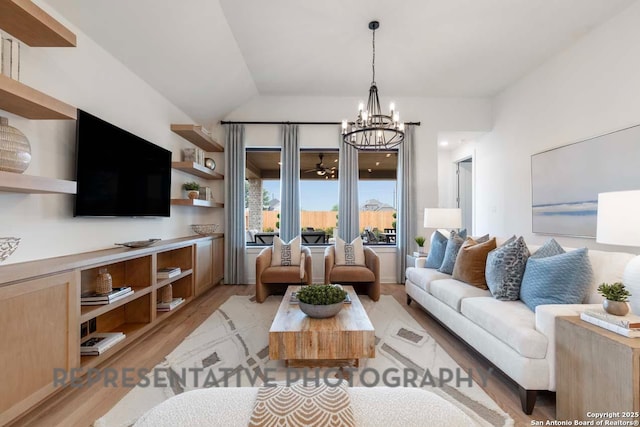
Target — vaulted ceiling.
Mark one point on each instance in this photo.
(210, 56)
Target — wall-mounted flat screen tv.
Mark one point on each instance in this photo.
(118, 173)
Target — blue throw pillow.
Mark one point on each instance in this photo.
(436, 250)
(505, 268)
(451, 253)
(550, 248)
(559, 279)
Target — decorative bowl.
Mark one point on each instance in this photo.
(321, 311)
(205, 229)
(138, 243)
(8, 245)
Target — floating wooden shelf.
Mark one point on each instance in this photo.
(22, 100)
(196, 169)
(196, 202)
(195, 135)
(33, 26)
(18, 183)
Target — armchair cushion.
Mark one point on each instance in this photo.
(351, 274)
(285, 254)
(349, 253)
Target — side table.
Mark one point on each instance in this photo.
(597, 371)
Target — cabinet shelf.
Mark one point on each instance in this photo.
(196, 202)
(195, 135)
(165, 282)
(161, 315)
(24, 101)
(196, 169)
(33, 26)
(19, 183)
(88, 312)
(132, 332)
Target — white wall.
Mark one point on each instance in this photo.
(435, 115)
(91, 79)
(589, 89)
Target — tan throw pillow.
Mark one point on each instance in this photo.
(471, 262)
(349, 253)
(303, 405)
(285, 254)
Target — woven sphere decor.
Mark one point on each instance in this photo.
(8, 245)
(15, 150)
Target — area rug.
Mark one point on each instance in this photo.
(230, 349)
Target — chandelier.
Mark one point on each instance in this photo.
(373, 130)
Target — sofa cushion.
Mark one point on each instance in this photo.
(451, 252)
(436, 250)
(351, 274)
(281, 274)
(422, 277)
(349, 253)
(510, 321)
(505, 268)
(452, 292)
(559, 279)
(285, 253)
(471, 262)
(550, 248)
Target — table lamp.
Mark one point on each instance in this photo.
(618, 223)
(444, 218)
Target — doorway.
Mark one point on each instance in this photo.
(464, 196)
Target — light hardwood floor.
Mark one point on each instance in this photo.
(81, 406)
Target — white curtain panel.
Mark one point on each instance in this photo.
(290, 183)
(406, 216)
(348, 206)
(234, 235)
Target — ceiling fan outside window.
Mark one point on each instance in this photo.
(320, 169)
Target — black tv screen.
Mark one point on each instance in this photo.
(118, 173)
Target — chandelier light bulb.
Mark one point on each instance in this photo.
(344, 127)
(360, 107)
(392, 108)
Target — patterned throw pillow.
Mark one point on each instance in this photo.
(285, 254)
(471, 262)
(550, 248)
(436, 250)
(558, 279)
(451, 252)
(349, 253)
(505, 268)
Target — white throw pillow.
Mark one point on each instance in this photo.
(349, 253)
(285, 254)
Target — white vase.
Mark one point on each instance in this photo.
(631, 280)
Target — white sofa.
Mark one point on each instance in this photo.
(516, 340)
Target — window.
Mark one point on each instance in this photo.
(318, 195)
(262, 195)
(377, 193)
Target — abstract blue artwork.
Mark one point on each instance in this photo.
(565, 181)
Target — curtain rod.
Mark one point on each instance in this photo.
(225, 122)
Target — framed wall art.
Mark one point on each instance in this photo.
(566, 181)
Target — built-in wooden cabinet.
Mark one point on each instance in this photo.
(41, 315)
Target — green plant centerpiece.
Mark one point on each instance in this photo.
(616, 296)
(192, 188)
(420, 241)
(321, 301)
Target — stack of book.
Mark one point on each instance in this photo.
(100, 342)
(628, 325)
(169, 272)
(93, 298)
(168, 306)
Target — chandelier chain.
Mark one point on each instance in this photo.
(373, 61)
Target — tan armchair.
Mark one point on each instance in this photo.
(359, 276)
(269, 278)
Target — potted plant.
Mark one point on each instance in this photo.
(420, 241)
(278, 222)
(321, 301)
(616, 296)
(393, 223)
(192, 188)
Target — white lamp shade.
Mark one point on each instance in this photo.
(618, 221)
(442, 218)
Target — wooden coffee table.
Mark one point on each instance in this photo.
(336, 341)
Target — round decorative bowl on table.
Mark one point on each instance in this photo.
(321, 311)
(205, 229)
(8, 245)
